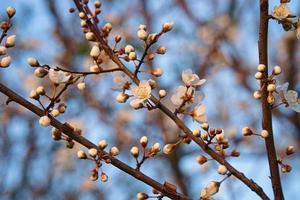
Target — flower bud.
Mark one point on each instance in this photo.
(201, 159)
(258, 75)
(81, 86)
(157, 72)
(129, 48)
(97, 4)
(81, 15)
(276, 70)
(271, 87)
(134, 151)
(162, 93)
(118, 38)
(2, 50)
(55, 112)
(34, 95)
(40, 90)
(204, 136)
(93, 152)
(107, 27)
(104, 177)
(264, 133)
(271, 99)
(205, 126)
(142, 196)
(122, 98)
(246, 131)
(261, 67)
(10, 41)
(286, 168)
(56, 134)
(290, 150)
(211, 189)
(10, 11)
(62, 107)
(142, 34)
(5, 61)
(94, 175)
(94, 68)
(114, 151)
(40, 72)
(167, 26)
(102, 144)
(257, 94)
(196, 133)
(144, 141)
(156, 147)
(222, 169)
(81, 154)
(161, 50)
(90, 37)
(132, 56)
(142, 27)
(95, 52)
(235, 153)
(152, 83)
(45, 121)
(169, 148)
(33, 62)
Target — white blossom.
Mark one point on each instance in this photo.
(211, 189)
(198, 113)
(142, 92)
(181, 94)
(191, 79)
(59, 77)
(288, 97)
(282, 11)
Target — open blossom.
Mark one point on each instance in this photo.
(288, 97)
(198, 113)
(142, 92)
(121, 81)
(59, 77)
(211, 189)
(191, 79)
(282, 11)
(182, 93)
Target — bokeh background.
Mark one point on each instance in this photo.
(216, 38)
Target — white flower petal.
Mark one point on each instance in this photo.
(59, 77)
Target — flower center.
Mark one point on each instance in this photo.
(142, 92)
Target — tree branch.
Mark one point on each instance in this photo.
(266, 109)
(250, 183)
(67, 130)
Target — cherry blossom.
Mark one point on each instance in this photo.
(288, 97)
(191, 79)
(59, 77)
(282, 11)
(142, 92)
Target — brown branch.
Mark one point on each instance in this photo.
(250, 183)
(66, 129)
(266, 108)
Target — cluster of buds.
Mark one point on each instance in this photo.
(58, 135)
(94, 155)
(148, 152)
(269, 83)
(246, 131)
(216, 137)
(285, 168)
(5, 60)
